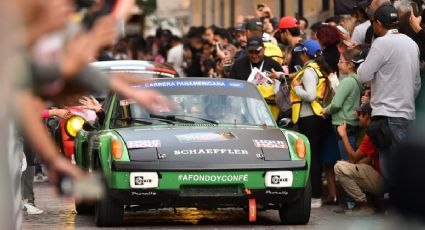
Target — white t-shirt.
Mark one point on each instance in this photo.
(359, 33)
(175, 56)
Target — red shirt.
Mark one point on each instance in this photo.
(371, 151)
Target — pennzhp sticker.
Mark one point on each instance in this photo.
(272, 144)
(143, 144)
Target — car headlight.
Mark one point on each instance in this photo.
(73, 125)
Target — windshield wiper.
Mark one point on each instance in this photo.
(144, 121)
(200, 118)
(171, 118)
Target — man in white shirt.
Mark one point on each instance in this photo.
(359, 33)
(175, 55)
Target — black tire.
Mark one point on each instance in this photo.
(84, 209)
(298, 212)
(108, 212)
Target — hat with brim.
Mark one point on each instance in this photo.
(255, 43)
(311, 47)
(364, 108)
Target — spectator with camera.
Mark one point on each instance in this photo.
(392, 66)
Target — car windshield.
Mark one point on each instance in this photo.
(195, 109)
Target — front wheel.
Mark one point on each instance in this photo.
(298, 212)
(108, 212)
(84, 208)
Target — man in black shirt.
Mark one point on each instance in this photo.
(243, 66)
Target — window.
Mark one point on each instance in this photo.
(325, 5)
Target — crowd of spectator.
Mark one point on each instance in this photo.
(348, 74)
(353, 85)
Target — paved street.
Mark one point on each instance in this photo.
(60, 214)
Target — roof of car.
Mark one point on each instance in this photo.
(133, 66)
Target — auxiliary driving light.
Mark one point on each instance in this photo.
(73, 125)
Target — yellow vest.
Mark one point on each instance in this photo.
(273, 51)
(316, 105)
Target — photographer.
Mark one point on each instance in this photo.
(243, 67)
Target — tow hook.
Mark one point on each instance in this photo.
(252, 206)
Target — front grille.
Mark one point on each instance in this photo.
(211, 191)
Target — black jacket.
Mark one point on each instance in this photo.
(241, 69)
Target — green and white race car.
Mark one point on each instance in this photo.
(219, 148)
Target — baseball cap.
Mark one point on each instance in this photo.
(241, 27)
(386, 14)
(254, 24)
(364, 108)
(255, 43)
(363, 4)
(288, 22)
(311, 47)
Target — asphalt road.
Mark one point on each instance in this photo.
(60, 214)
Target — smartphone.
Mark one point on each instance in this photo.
(219, 45)
(415, 9)
(298, 68)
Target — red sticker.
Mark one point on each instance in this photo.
(272, 144)
(143, 144)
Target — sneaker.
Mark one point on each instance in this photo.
(316, 202)
(30, 209)
(360, 210)
(39, 178)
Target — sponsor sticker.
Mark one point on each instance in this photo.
(143, 180)
(143, 144)
(211, 152)
(150, 193)
(205, 137)
(273, 144)
(193, 83)
(212, 178)
(278, 179)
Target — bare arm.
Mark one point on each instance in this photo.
(30, 108)
(354, 156)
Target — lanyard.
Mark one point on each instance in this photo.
(261, 66)
(392, 31)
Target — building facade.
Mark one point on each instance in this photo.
(226, 13)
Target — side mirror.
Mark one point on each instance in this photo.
(284, 122)
(90, 126)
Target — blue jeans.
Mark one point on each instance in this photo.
(389, 156)
(353, 134)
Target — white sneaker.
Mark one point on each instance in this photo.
(316, 203)
(30, 209)
(39, 178)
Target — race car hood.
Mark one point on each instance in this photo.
(219, 145)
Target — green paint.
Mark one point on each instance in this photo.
(119, 180)
(300, 178)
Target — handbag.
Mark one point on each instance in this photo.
(282, 97)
